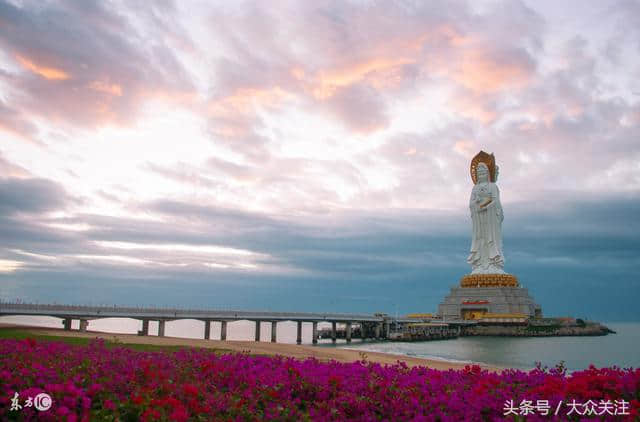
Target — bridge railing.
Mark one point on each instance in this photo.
(42, 307)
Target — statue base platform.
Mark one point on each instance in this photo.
(490, 296)
(489, 280)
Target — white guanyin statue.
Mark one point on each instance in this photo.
(486, 255)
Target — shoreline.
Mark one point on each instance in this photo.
(429, 358)
(260, 348)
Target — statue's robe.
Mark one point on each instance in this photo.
(486, 245)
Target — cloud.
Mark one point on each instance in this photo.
(360, 107)
(330, 141)
(50, 73)
(183, 174)
(234, 120)
(85, 64)
(395, 241)
(30, 196)
(11, 170)
(420, 250)
(492, 71)
(368, 52)
(14, 122)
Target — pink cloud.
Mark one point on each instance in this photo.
(481, 108)
(85, 75)
(46, 72)
(488, 72)
(466, 148)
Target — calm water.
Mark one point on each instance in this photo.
(619, 349)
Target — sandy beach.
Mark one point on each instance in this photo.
(253, 347)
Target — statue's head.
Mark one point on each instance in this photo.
(487, 160)
(482, 172)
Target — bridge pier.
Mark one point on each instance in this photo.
(378, 330)
(223, 330)
(387, 329)
(83, 325)
(207, 330)
(258, 330)
(363, 331)
(347, 333)
(161, 328)
(334, 334)
(66, 323)
(274, 325)
(145, 327)
(299, 336)
(314, 331)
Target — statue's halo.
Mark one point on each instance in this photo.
(489, 160)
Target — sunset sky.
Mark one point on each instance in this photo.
(313, 155)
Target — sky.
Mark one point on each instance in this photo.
(314, 155)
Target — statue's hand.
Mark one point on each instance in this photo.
(485, 203)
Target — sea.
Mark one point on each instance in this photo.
(574, 353)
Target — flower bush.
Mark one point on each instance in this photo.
(97, 382)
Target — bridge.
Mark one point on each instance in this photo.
(371, 326)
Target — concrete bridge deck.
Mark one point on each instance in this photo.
(371, 325)
(375, 326)
(95, 312)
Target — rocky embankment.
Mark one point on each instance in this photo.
(538, 329)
